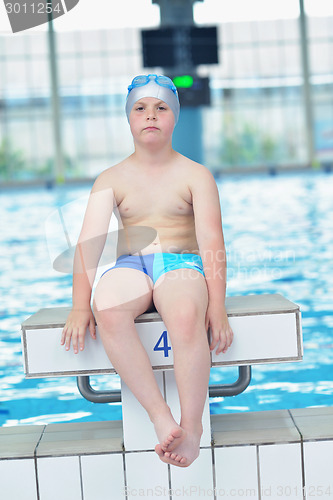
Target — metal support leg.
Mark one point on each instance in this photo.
(222, 390)
(218, 390)
(83, 384)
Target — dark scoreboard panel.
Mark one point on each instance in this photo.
(175, 46)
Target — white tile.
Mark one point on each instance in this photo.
(77, 438)
(59, 478)
(172, 399)
(318, 465)
(195, 481)
(261, 337)
(147, 476)
(102, 474)
(316, 425)
(139, 432)
(19, 441)
(236, 472)
(18, 479)
(252, 428)
(281, 471)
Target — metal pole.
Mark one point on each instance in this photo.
(85, 389)
(224, 390)
(58, 173)
(307, 91)
(114, 396)
(187, 136)
(175, 12)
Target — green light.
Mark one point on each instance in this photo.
(184, 81)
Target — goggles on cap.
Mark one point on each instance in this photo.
(158, 86)
(163, 81)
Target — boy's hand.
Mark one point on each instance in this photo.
(220, 330)
(75, 329)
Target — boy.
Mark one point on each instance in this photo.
(181, 270)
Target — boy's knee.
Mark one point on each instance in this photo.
(110, 318)
(187, 319)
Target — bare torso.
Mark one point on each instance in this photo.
(154, 205)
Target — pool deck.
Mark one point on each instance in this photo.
(275, 454)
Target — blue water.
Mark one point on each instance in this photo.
(279, 238)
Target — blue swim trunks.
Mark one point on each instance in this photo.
(157, 264)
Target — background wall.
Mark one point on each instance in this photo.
(256, 118)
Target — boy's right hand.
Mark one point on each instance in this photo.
(75, 329)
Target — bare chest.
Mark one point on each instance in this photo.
(150, 200)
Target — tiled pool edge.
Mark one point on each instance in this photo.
(286, 454)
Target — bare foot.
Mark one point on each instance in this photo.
(184, 454)
(169, 433)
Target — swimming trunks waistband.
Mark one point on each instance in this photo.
(157, 264)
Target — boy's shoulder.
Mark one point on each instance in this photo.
(196, 171)
(109, 176)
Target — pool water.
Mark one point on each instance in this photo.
(279, 239)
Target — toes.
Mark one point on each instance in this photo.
(168, 441)
(176, 433)
(159, 450)
(166, 458)
(164, 445)
(178, 458)
(173, 440)
(174, 457)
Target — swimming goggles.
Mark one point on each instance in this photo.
(163, 81)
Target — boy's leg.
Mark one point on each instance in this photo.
(121, 295)
(181, 298)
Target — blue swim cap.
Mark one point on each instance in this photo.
(150, 87)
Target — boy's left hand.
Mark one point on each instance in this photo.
(220, 330)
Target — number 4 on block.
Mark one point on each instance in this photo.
(162, 344)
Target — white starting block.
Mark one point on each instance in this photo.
(267, 329)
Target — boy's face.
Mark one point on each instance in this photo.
(151, 120)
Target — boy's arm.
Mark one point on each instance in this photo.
(87, 254)
(209, 234)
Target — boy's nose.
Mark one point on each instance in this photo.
(151, 115)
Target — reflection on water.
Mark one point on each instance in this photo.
(279, 237)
